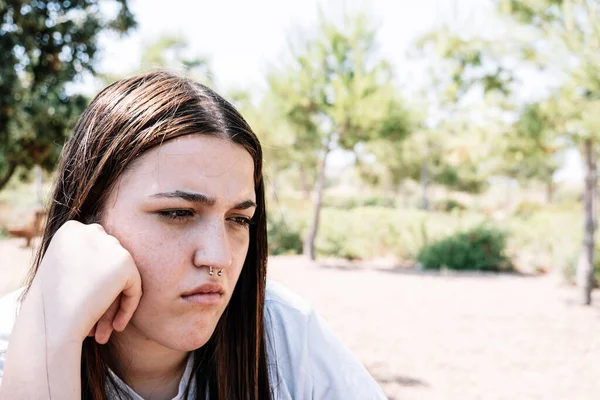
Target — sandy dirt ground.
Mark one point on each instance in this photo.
(429, 336)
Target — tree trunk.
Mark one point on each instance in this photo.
(309, 242)
(424, 185)
(585, 266)
(11, 170)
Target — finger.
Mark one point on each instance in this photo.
(104, 326)
(130, 299)
(103, 332)
(92, 332)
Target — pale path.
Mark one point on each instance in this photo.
(15, 258)
(467, 337)
(434, 337)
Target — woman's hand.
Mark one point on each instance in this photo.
(89, 283)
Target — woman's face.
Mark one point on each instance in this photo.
(180, 208)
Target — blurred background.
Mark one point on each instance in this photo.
(431, 166)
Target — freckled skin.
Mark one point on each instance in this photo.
(173, 255)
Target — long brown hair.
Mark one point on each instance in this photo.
(122, 122)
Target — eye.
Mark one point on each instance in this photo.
(242, 221)
(176, 214)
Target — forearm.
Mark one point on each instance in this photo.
(39, 365)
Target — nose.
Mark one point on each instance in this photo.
(213, 247)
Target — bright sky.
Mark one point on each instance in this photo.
(242, 38)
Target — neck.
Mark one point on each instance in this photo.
(151, 370)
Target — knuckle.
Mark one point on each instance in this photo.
(104, 318)
(68, 226)
(96, 227)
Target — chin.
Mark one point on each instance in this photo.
(189, 340)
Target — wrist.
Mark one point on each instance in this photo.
(60, 331)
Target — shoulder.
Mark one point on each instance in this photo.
(288, 317)
(311, 361)
(280, 299)
(8, 315)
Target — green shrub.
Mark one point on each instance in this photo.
(546, 239)
(481, 249)
(284, 237)
(378, 201)
(450, 205)
(370, 232)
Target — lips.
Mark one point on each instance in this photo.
(205, 289)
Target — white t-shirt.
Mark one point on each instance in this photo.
(306, 360)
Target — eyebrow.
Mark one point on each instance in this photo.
(201, 199)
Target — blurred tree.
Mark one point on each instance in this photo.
(572, 28)
(282, 149)
(468, 63)
(532, 148)
(563, 36)
(336, 93)
(45, 45)
(443, 156)
(458, 152)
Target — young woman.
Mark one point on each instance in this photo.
(150, 282)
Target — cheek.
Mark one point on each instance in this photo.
(161, 263)
(158, 257)
(239, 253)
(239, 247)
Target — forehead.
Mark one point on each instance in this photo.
(206, 164)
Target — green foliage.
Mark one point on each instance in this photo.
(532, 146)
(529, 148)
(469, 63)
(526, 209)
(336, 92)
(570, 31)
(284, 236)
(546, 239)
(480, 249)
(449, 205)
(348, 203)
(284, 149)
(45, 45)
(465, 178)
(337, 89)
(369, 232)
(453, 156)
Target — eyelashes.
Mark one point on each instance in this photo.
(187, 215)
(242, 221)
(176, 214)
